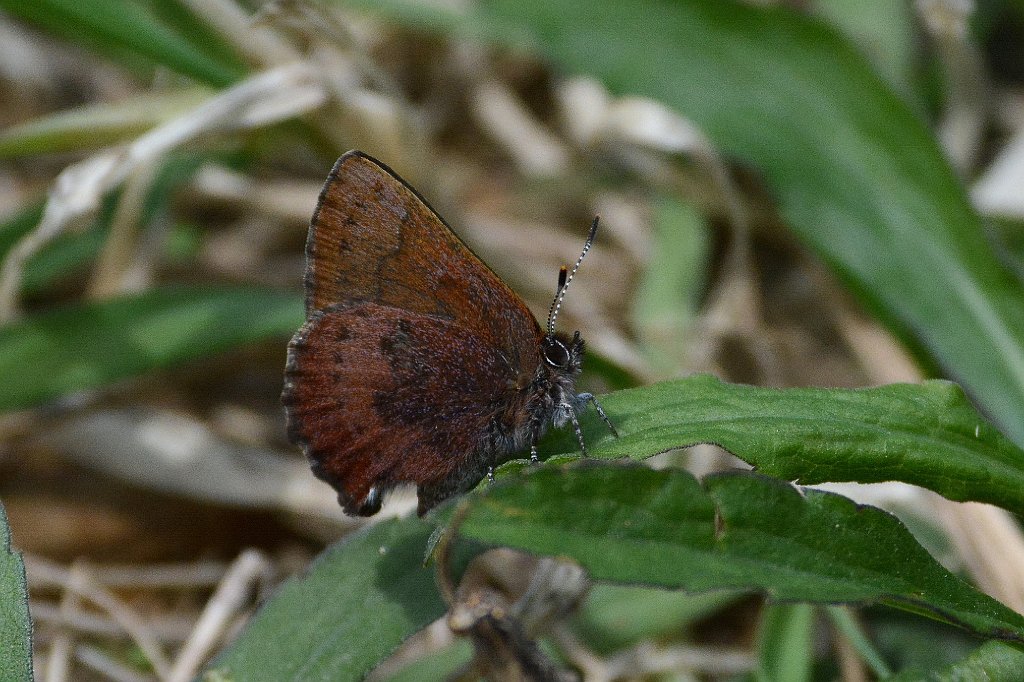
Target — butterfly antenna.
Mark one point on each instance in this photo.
(564, 280)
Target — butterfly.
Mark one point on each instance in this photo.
(416, 363)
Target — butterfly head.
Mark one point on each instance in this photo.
(563, 354)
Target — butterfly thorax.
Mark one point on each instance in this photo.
(546, 398)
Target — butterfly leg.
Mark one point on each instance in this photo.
(490, 475)
(534, 436)
(584, 398)
(571, 411)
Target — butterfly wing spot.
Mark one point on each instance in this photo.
(370, 504)
(342, 333)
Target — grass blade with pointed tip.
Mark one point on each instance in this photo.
(15, 625)
(357, 602)
(48, 355)
(126, 28)
(927, 434)
(632, 524)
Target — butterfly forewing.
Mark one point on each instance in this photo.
(373, 238)
(413, 349)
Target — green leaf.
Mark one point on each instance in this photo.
(910, 644)
(927, 434)
(15, 624)
(635, 525)
(885, 33)
(857, 175)
(992, 662)
(355, 605)
(47, 355)
(125, 27)
(785, 652)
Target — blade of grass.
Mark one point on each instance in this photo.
(48, 355)
(96, 125)
(125, 27)
(845, 623)
(785, 651)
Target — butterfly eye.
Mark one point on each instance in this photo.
(555, 353)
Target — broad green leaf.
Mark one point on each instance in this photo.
(128, 27)
(927, 434)
(635, 525)
(15, 625)
(785, 651)
(992, 662)
(47, 355)
(357, 602)
(856, 174)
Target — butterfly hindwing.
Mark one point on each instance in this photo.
(361, 393)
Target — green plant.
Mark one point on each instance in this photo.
(854, 172)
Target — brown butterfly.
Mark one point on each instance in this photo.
(416, 363)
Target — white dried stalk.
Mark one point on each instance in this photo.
(266, 98)
(231, 596)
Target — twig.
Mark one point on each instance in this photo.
(102, 663)
(167, 629)
(43, 572)
(199, 574)
(58, 665)
(231, 595)
(116, 256)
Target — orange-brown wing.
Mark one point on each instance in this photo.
(378, 396)
(374, 239)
